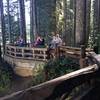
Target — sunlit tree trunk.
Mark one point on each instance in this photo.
(33, 30)
(2, 25)
(22, 20)
(80, 22)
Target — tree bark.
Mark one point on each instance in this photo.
(65, 36)
(80, 22)
(33, 30)
(22, 20)
(88, 9)
(74, 22)
(9, 23)
(2, 25)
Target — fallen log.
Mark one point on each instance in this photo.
(55, 88)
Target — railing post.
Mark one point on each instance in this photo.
(33, 53)
(22, 52)
(58, 52)
(15, 51)
(82, 60)
(44, 55)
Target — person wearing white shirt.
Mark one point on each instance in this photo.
(58, 40)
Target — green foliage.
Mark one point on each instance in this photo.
(60, 67)
(54, 68)
(39, 75)
(4, 80)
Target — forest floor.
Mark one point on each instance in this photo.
(17, 83)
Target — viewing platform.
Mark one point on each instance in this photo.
(24, 59)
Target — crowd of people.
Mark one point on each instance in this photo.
(40, 41)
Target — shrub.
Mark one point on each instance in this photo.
(58, 67)
(39, 75)
(4, 81)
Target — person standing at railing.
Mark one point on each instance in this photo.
(58, 40)
(40, 42)
(20, 42)
(55, 42)
(37, 41)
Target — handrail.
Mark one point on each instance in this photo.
(40, 53)
(26, 52)
(74, 48)
(74, 52)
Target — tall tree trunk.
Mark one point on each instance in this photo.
(66, 35)
(33, 30)
(2, 25)
(22, 20)
(9, 23)
(80, 22)
(38, 19)
(81, 29)
(18, 19)
(72, 22)
(96, 34)
(88, 9)
(99, 25)
(74, 39)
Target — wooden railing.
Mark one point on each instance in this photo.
(26, 52)
(71, 51)
(40, 53)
